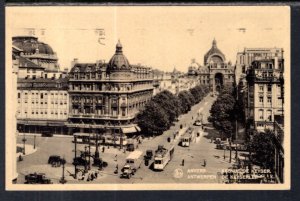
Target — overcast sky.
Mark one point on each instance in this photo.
(160, 37)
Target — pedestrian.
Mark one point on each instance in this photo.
(117, 167)
(116, 157)
(204, 163)
(103, 149)
(96, 174)
(92, 176)
(182, 163)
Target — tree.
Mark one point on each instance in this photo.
(186, 101)
(222, 112)
(153, 120)
(262, 147)
(169, 103)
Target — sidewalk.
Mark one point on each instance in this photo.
(40, 135)
(28, 149)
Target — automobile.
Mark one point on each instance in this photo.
(37, 178)
(198, 123)
(80, 161)
(217, 140)
(47, 134)
(130, 146)
(149, 154)
(54, 159)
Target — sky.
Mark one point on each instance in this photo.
(158, 37)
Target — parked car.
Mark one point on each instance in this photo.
(80, 161)
(47, 134)
(149, 154)
(54, 159)
(37, 178)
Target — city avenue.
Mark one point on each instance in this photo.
(193, 171)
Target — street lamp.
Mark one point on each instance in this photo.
(75, 158)
(34, 141)
(24, 140)
(62, 179)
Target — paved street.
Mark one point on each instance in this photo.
(193, 157)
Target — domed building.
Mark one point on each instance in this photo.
(40, 61)
(216, 71)
(42, 87)
(105, 97)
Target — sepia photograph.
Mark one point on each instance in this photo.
(147, 98)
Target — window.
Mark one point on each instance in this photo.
(269, 114)
(261, 114)
(261, 99)
(269, 99)
(261, 87)
(269, 88)
(34, 71)
(42, 95)
(19, 95)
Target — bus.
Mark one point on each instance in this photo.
(188, 138)
(163, 156)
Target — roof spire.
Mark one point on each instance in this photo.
(119, 47)
(214, 43)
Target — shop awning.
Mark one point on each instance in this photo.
(131, 129)
(138, 129)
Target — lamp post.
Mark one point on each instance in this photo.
(89, 153)
(62, 179)
(24, 140)
(34, 139)
(75, 157)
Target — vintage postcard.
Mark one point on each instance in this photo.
(147, 98)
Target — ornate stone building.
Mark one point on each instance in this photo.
(216, 71)
(105, 97)
(264, 93)
(42, 88)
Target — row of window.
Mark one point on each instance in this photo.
(43, 95)
(45, 112)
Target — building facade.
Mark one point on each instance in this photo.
(216, 71)
(245, 58)
(42, 105)
(265, 93)
(42, 88)
(105, 97)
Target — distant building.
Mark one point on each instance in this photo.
(105, 97)
(216, 72)
(245, 58)
(265, 92)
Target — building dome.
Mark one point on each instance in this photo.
(214, 53)
(31, 45)
(118, 60)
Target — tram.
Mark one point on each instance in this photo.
(163, 156)
(188, 138)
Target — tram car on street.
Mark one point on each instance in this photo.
(188, 138)
(163, 156)
(106, 139)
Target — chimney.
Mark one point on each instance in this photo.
(276, 62)
(75, 61)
